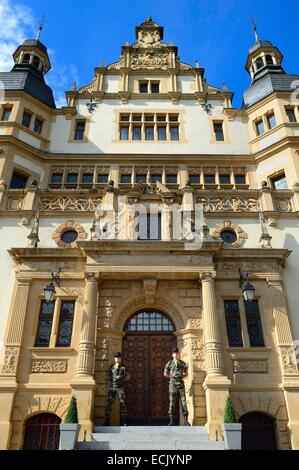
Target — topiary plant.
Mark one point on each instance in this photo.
(72, 412)
(229, 413)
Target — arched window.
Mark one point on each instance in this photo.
(258, 432)
(269, 59)
(36, 62)
(26, 59)
(42, 432)
(149, 320)
(259, 63)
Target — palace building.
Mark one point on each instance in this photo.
(99, 204)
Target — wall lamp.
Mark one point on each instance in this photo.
(247, 288)
(49, 290)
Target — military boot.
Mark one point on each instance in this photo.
(171, 421)
(186, 422)
(107, 421)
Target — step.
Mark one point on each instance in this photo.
(198, 430)
(149, 445)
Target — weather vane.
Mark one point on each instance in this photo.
(255, 28)
(40, 28)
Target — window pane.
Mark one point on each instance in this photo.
(57, 178)
(18, 181)
(143, 87)
(26, 120)
(171, 179)
(125, 118)
(149, 322)
(254, 324)
(149, 133)
(224, 179)
(87, 178)
(161, 118)
(103, 179)
(137, 133)
(6, 114)
(125, 179)
(233, 323)
(45, 324)
(290, 113)
(280, 182)
(38, 125)
(72, 178)
(260, 128)
(124, 133)
(194, 179)
(173, 118)
(65, 329)
(240, 179)
(161, 133)
(218, 129)
(272, 121)
(174, 133)
(79, 132)
(155, 88)
(141, 178)
(149, 118)
(210, 179)
(156, 178)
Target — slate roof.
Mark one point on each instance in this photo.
(266, 85)
(30, 81)
(35, 43)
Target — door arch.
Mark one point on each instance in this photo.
(258, 432)
(42, 432)
(146, 349)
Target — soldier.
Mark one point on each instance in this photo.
(177, 370)
(118, 374)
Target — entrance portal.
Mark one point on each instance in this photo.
(147, 348)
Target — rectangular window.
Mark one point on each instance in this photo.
(137, 133)
(66, 320)
(143, 87)
(72, 179)
(224, 179)
(174, 133)
(6, 114)
(173, 118)
(38, 125)
(233, 323)
(161, 133)
(87, 178)
(57, 178)
(194, 179)
(254, 324)
(290, 114)
(149, 133)
(18, 181)
(124, 133)
(45, 324)
(103, 179)
(218, 129)
(125, 118)
(155, 87)
(79, 131)
(137, 118)
(161, 118)
(26, 119)
(149, 118)
(171, 179)
(240, 179)
(210, 179)
(141, 178)
(260, 128)
(149, 226)
(271, 119)
(155, 178)
(126, 179)
(280, 182)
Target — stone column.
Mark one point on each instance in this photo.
(84, 383)
(13, 344)
(216, 384)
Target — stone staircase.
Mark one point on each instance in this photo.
(150, 438)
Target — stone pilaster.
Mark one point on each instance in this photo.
(216, 384)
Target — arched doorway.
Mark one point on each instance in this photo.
(42, 432)
(147, 348)
(259, 432)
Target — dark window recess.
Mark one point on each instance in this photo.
(240, 179)
(210, 179)
(72, 179)
(42, 432)
(155, 88)
(224, 179)
(280, 182)
(137, 133)
(229, 236)
(171, 179)
(149, 321)
(141, 178)
(233, 323)
(26, 59)
(79, 131)
(18, 181)
(174, 133)
(149, 133)
(194, 179)
(38, 125)
(173, 118)
(155, 178)
(57, 178)
(269, 60)
(259, 63)
(290, 113)
(45, 324)
(103, 179)
(70, 236)
(124, 133)
(36, 62)
(162, 133)
(66, 320)
(218, 129)
(26, 119)
(150, 226)
(125, 118)
(87, 178)
(6, 114)
(143, 87)
(161, 118)
(254, 324)
(126, 179)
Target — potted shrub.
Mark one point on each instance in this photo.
(70, 428)
(232, 430)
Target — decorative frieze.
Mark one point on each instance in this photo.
(48, 367)
(230, 205)
(11, 356)
(14, 203)
(283, 205)
(289, 361)
(250, 366)
(69, 204)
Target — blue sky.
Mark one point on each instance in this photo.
(218, 33)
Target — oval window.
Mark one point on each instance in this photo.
(229, 236)
(70, 236)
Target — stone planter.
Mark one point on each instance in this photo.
(68, 436)
(232, 436)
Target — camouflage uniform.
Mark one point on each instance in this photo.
(116, 380)
(177, 369)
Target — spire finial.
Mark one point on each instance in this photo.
(257, 38)
(41, 25)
